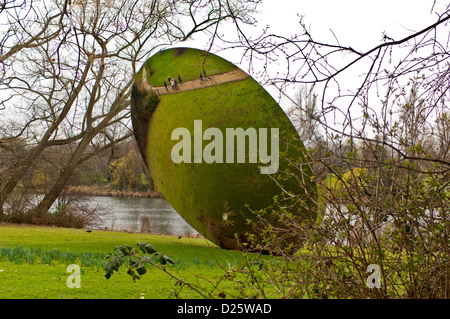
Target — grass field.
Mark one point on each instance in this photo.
(34, 260)
(189, 64)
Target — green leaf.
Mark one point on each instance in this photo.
(115, 265)
(146, 248)
(162, 260)
(133, 274)
(124, 251)
(150, 249)
(141, 246)
(165, 259)
(141, 270)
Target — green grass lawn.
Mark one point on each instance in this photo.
(34, 260)
(188, 63)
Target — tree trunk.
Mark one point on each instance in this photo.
(51, 196)
(25, 164)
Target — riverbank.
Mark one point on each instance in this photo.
(107, 192)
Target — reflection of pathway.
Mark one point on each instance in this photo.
(212, 80)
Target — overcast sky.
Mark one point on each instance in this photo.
(359, 23)
(356, 23)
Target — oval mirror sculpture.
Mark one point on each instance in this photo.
(217, 145)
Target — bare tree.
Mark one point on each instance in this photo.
(387, 201)
(69, 81)
(304, 113)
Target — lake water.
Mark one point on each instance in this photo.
(145, 215)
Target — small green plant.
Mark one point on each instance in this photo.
(138, 260)
(19, 255)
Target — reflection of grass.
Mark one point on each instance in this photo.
(33, 263)
(243, 103)
(188, 63)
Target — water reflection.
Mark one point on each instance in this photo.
(146, 215)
